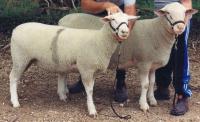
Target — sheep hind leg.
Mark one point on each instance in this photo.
(88, 82)
(151, 97)
(62, 87)
(15, 75)
(144, 84)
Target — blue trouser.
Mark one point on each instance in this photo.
(178, 65)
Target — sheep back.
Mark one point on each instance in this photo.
(56, 47)
(145, 43)
(81, 21)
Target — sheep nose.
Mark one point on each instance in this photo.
(180, 27)
(124, 32)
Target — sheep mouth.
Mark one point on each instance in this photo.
(124, 36)
(179, 32)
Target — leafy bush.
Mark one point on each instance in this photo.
(16, 7)
(15, 12)
(146, 8)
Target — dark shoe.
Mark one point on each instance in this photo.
(181, 107)
(120, 94)
(77, 87)
(162, 94)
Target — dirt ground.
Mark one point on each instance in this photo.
(40, 103)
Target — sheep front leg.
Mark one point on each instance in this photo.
(151, 97)
(62, 87)
(88, 82)
(143, 74)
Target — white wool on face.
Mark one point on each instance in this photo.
(176, 12)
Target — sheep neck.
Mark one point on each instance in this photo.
(107, 41)
(163, 31)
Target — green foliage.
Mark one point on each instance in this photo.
(15, 12)
(7, 23)
(78, 10)
(196, 4)
(17, 7)
(147, 6)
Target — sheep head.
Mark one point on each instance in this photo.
(119, 24)
(176, 15)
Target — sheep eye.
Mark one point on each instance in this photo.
(114, 20)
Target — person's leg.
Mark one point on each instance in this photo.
(120, 94)
(163, 80)
(76, 87)
(181, 75)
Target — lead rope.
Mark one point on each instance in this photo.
(126, 117)
(175, 69)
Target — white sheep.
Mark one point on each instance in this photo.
(62, 50)
(148, 46)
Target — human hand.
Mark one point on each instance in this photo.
(130, 10)
(111, 8)
(187, 4)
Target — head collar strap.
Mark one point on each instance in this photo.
(173, 24)
(117, 29)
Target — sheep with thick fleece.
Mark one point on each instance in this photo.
(149, 45)
(63, 50)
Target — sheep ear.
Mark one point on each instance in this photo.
(190, 12)
(107, 18)
(132, 18)
(161, 12)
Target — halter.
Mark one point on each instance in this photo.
(173, 24)
(116, 30)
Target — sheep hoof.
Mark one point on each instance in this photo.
(145, 111)
(144, 107)
(124, 103)
(16, 105)
(121, 104)
(128, 100)
(63, 98)
(153, 103)
(93, 115)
